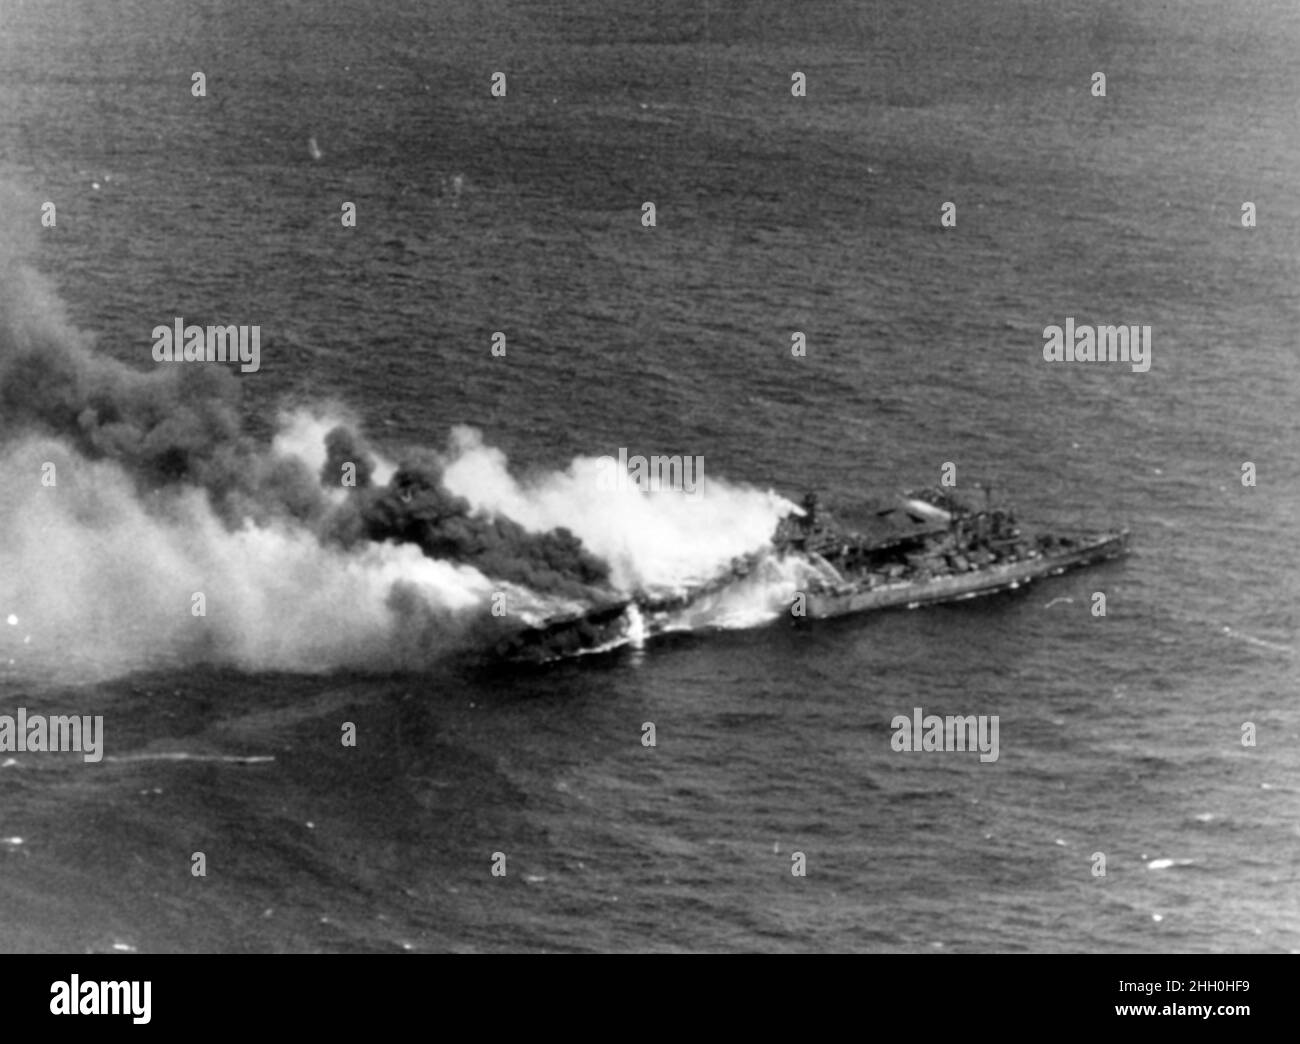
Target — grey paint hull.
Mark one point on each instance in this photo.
(958, 586)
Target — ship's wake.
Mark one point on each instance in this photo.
(144, 524)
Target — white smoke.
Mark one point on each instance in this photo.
(664, 539)
(87, 567)
(91, 569)
(301, 433)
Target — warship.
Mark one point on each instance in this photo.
(953, 553)
(928, 547)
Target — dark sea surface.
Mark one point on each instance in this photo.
(1119, 735)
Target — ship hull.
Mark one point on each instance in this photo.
(638, 619)
(579, 634)
(957, 587)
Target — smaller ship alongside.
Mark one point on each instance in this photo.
(952, 553)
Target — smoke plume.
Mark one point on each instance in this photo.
(142, 523)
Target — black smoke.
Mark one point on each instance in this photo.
(181, 425)
(416, 508)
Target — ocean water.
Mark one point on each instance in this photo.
(1119, 735)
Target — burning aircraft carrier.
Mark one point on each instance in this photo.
(928, 547)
